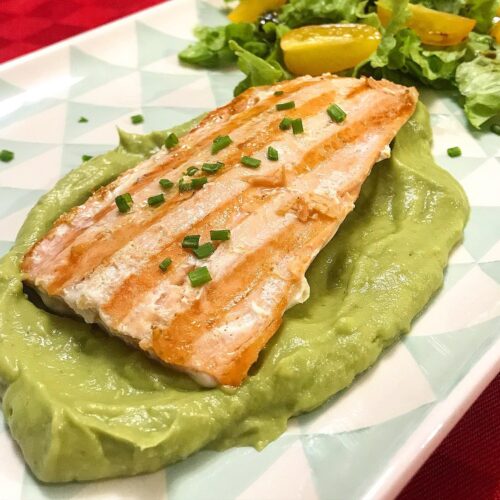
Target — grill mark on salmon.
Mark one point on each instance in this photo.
(84, 256)
(189, 326)
(180, 156)
(112, 240)
(124, 298)
(177, 343)
(321, 152)
(280, 216)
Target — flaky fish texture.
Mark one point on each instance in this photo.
(104, 265)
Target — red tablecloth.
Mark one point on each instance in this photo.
(467, 464)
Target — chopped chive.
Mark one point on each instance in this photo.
(220, 235)
(123, 202)
(454, 152)
(285, 105)
(83, 119)
(191, 241)
(128, 197)
(185, 186)
(199, 182)
(336, 113)
(136, 119)
(171, 141)
(278, 92)
(156, 200)
(6, 155)
(495, 128)
(211, 168)
(166, 183)
(165, 264)
(191, 171)
(297, 126)
(248, 161)
(221, 142)
(199, 276)
(285, 124)
(272, 154)
(204, 251)
(86, 157)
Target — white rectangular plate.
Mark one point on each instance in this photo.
(367, 441)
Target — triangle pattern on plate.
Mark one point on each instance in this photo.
(197, 94)
(210, 13)
(171, 65)
(97, 116)
(365, 403)
(154, 45)
(483, 184)
(121, 92)
(92, 72)
(287, 471)
(492, 269)
(452, 133)
(493, 254)
(10, 224)
(156, 85)
(46, 126)
(124, 54)
(482, 231)
(180, 26)
(38, 172)
(461, 306)
(445, 358)
(7, 90)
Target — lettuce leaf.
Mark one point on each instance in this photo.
(212, 48)
(257, 70)
(482, 11)
(297, 13)
(451, 6)
(402, 57)
(471, 66)
(389, 42)
(434, 67)
(479, 82)
(480, 44)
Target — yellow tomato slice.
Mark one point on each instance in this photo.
(495, 29)
(329, 48)
(431, 26)
(248, 11)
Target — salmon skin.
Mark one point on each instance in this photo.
(103, 265)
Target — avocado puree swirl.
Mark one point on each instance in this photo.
(83, 405)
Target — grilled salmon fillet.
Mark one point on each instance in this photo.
(104, 265)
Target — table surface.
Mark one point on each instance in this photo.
(467, 464)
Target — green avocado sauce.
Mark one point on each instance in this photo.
(83, 405)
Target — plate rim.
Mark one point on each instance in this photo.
(436, 425)
(103, 28)
(445, 414)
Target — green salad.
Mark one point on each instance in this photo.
(472, 67)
